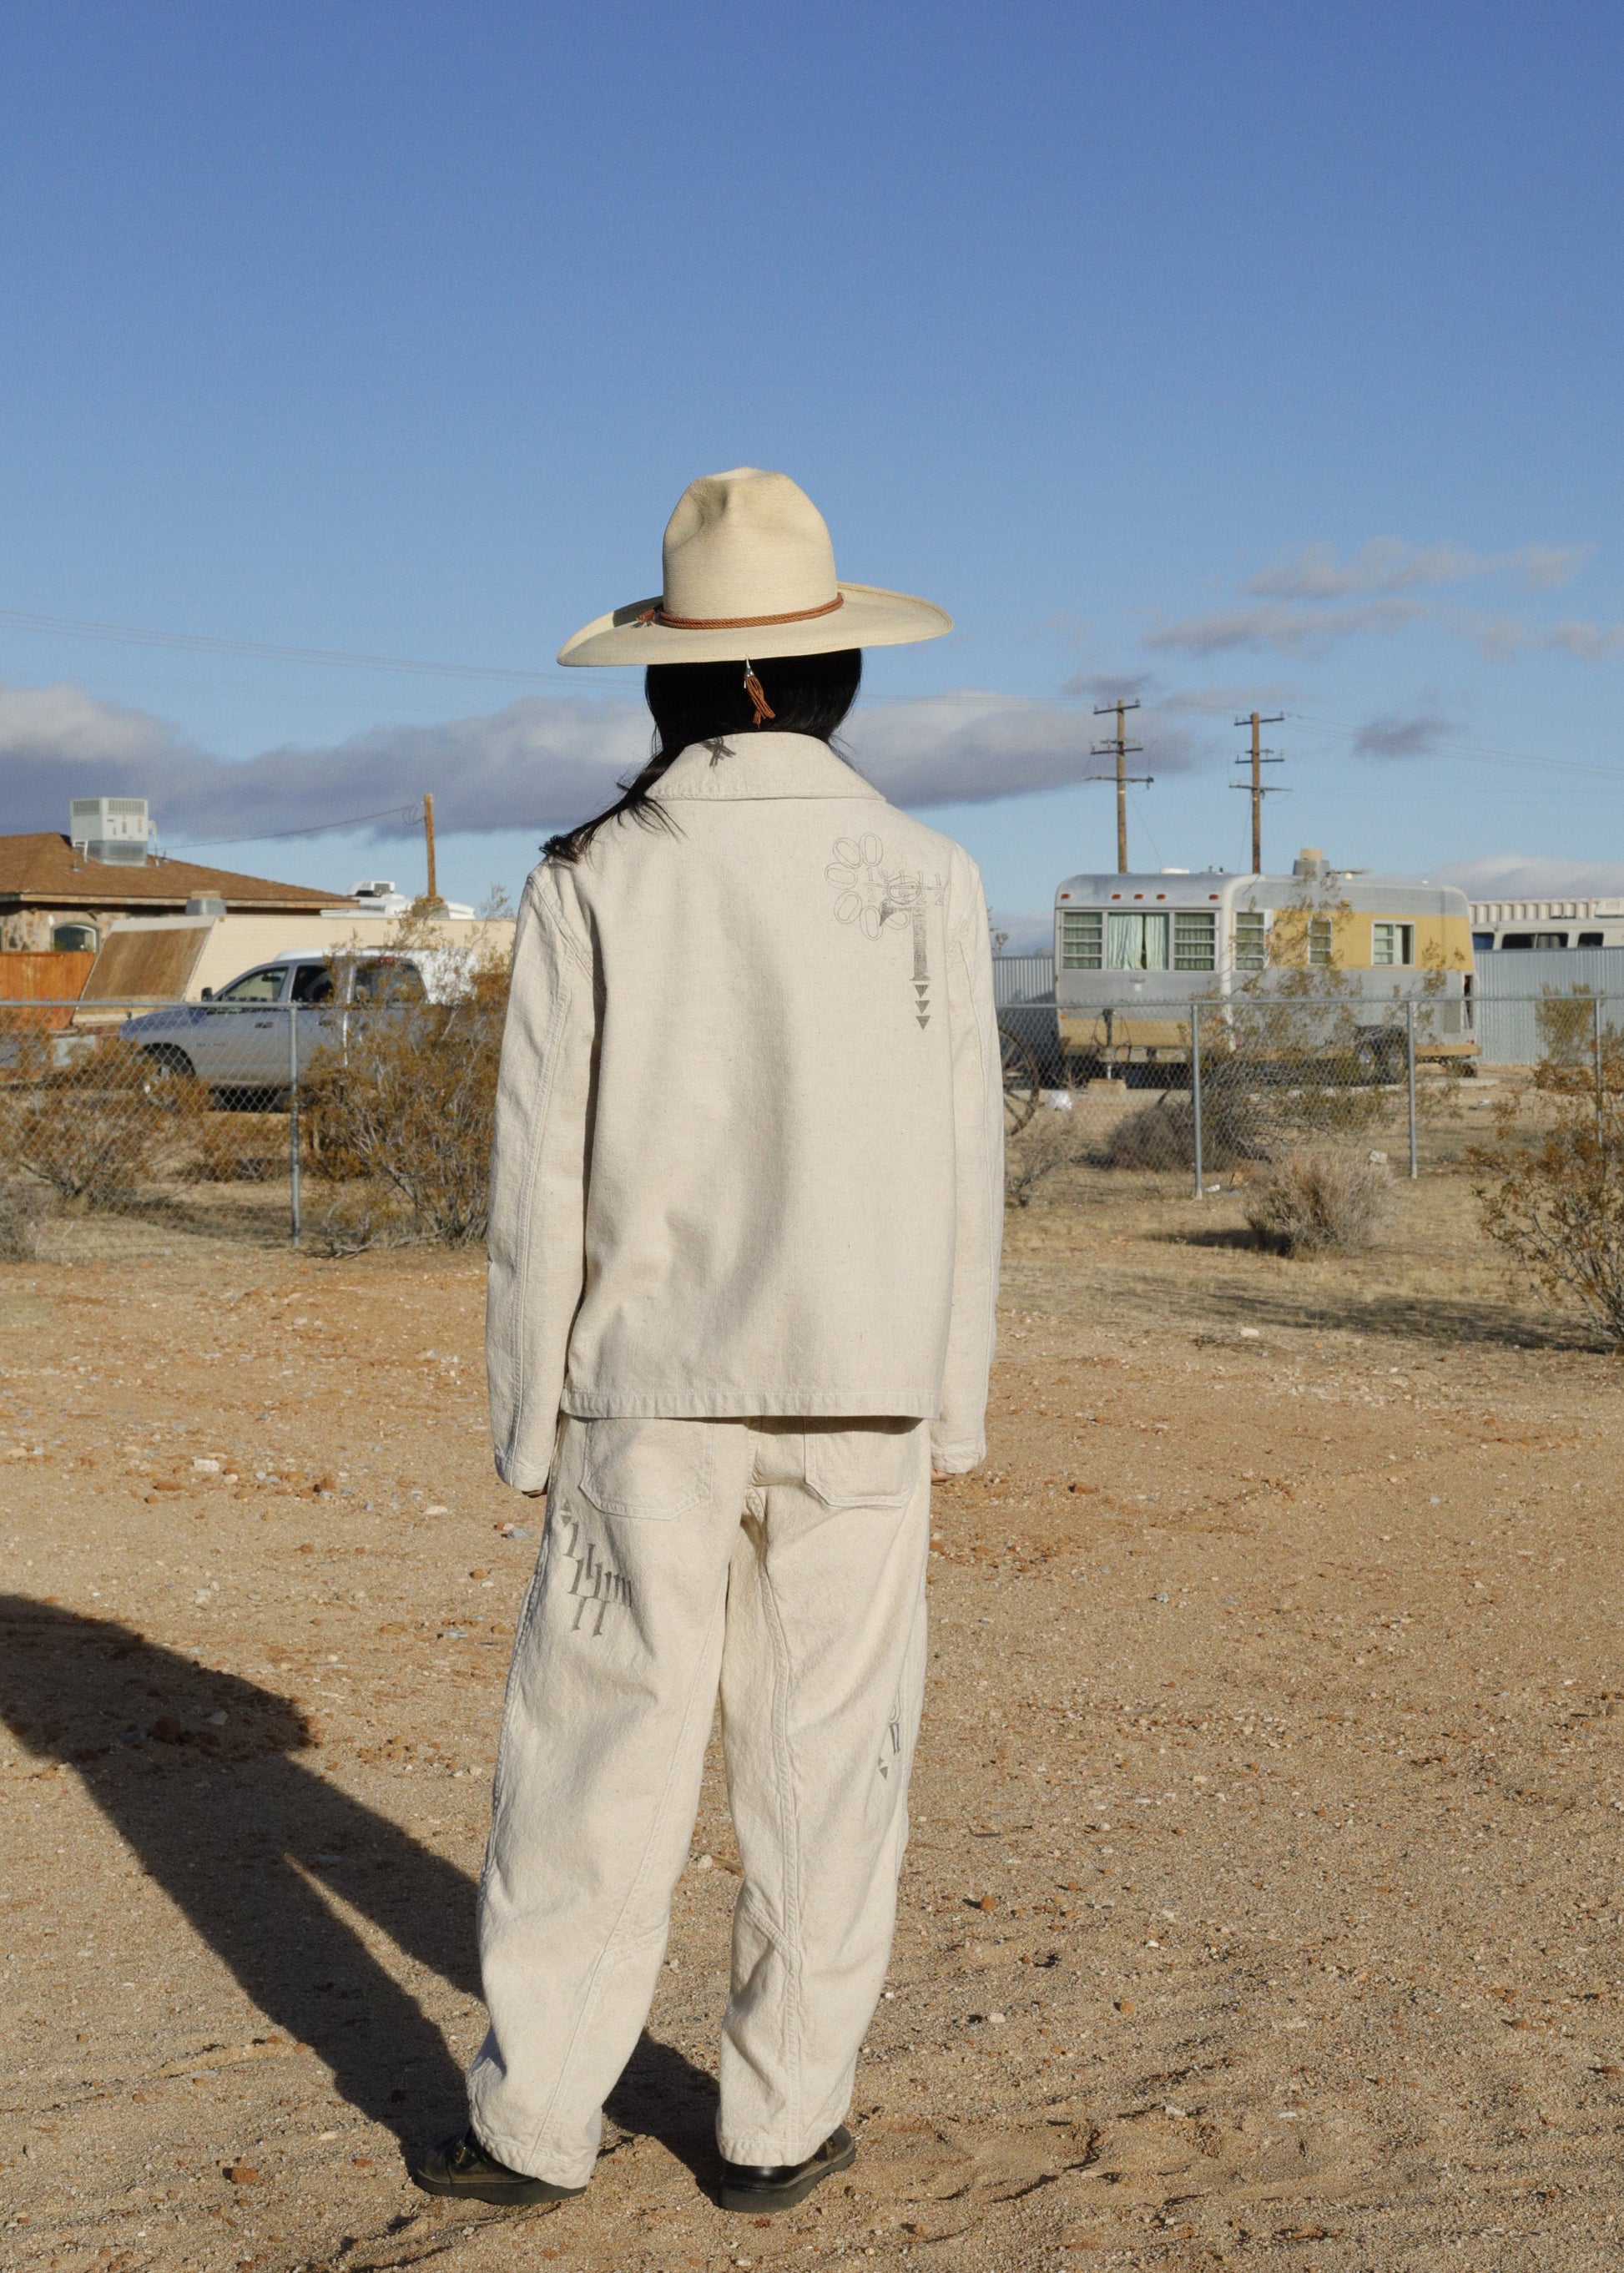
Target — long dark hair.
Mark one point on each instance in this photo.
(707, 702)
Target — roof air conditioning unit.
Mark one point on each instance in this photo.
(115, 830)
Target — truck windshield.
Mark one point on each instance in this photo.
(255, 986)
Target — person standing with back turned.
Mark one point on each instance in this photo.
(746, 1200)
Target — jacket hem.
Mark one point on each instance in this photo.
(747, 1402)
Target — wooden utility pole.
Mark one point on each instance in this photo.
(428, 834)
(1260, 757)
(1123, 749)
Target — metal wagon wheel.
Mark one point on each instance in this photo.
(1023, 1083)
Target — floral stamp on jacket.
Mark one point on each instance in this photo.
(877, 899)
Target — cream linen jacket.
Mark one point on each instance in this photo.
(750, 1126)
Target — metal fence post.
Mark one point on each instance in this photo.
(1195, 1090)
(1595, 1046)
(294, 1225)
(1409, 1079)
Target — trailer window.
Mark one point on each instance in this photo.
(1319, 937)
(1195, 942)
(1082, 939)
(1250, 939)
(1135, 943)
(1392, 944)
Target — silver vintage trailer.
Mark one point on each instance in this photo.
(1132, 953)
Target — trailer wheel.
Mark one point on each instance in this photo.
(1023, 1082)
(1381, 1058)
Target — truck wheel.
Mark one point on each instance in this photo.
(167, 1058)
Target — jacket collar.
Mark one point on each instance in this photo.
(760, 766)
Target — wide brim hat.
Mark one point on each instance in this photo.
(749, 573)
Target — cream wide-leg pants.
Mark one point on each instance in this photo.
(785, 1561)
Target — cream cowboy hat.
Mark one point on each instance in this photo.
(749, 573)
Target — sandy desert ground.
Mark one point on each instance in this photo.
(1263, 1902)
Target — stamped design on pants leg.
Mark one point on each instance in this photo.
(891, 1746)
(596, 1589)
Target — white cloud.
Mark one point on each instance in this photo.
(1305, 605)
(1591, 643)
(1284, 630)
(1499, 638)
(1386, 564)
(1402, 734)
(1109, 686)
(969, 748)
(63, 724)
(1501, 875)
(537, 765)
(1229, 703)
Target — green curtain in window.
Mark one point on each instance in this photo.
(1135, 943)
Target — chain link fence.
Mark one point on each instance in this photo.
(260, 1121)
(349, 1126)
(1215, 1090)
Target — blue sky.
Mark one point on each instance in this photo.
(1256, 356)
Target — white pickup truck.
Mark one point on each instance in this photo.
(244, 1039)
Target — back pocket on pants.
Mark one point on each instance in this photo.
(864, 1463)
(654, 1469)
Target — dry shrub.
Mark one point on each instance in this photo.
(354, 1216)
(239, 1148)
(1556, 1204)
(1320, 1202)
(98, 1126)
(1052, 1138)
(401, 1109)
(1234, 1130)
(26, 1207)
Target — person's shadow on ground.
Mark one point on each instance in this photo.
(198, 1773)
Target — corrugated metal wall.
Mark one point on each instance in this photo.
(1509, 987)
(1022, 979)
(1506, 991)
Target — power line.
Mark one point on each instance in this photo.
(408, 815)
(1468, 752)
(265, 651)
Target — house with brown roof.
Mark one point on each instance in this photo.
(65, 892)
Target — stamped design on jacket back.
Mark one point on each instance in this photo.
(879, 899)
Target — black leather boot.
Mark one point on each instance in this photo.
(780, 2186)
(462, 2167)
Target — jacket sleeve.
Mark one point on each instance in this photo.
(958, 1436)
(537, 1216)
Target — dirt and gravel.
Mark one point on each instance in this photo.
(1263, 1899)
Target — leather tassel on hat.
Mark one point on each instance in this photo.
(757, 694)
